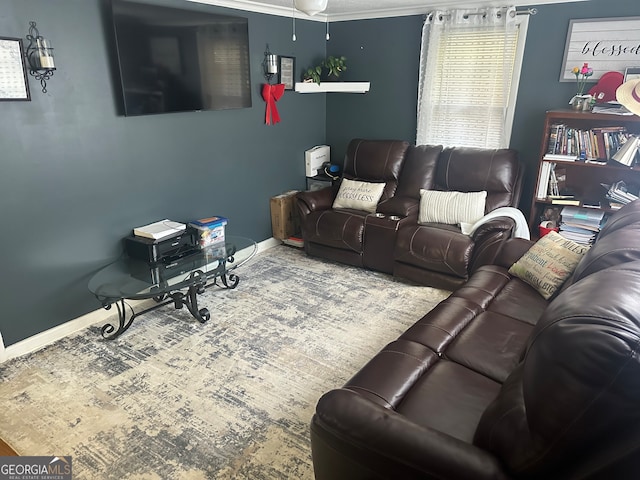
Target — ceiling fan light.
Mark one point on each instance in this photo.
(311, 7)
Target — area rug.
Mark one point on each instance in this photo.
(229, 399)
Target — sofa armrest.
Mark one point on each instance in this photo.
(353, 438)
(399, 205)
(311, 201)
(488, 240)
(512, 250)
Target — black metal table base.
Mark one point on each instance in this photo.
(178, 298)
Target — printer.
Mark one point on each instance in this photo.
(314, 158)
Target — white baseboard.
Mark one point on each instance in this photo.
(42, 339)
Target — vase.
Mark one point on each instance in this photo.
(581, 103)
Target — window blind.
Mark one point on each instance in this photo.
(466, 86)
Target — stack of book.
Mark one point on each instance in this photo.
(618, 194)
(581, 225)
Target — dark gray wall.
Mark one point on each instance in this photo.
(387, 52)
(77, 175)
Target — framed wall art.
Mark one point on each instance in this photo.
(632, 73)
(13, 73)
(287, 69)
(606, 44)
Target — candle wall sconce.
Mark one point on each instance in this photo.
(270, 65)
(39, 55)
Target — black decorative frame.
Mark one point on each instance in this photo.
(286, 72)
(13, 71)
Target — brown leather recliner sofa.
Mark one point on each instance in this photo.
(391, 240)
(497, 383)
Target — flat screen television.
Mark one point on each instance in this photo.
(177, 60)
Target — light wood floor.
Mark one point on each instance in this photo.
(6, 450)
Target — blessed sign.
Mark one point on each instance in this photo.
(606, 44)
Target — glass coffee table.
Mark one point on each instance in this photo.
(178, 282)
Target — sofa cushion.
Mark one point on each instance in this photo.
(548, 263)
(342, 229)
(419, 170)
(375, 161)
(436, 399)
(358, 195)
(492, 345)
(435, 247)
(451, 208)
(496, 171)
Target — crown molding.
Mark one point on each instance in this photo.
(258, 7)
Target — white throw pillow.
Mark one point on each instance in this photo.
(451, 208)
(358, 195)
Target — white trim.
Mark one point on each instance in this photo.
(43, 339)
(282, 11)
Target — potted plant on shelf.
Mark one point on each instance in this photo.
(334, 67)
(312, 74)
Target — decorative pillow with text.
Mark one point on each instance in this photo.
(451, 208)
(548, 263)
(358, 195)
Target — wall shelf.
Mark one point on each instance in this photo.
(339, 87)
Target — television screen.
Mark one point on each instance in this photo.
(175, 60)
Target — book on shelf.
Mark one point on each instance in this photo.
(564, 201)
(581, 215)
(571, 144)
(591, 204)
(159, 230)
(560, 157)
(543, 180)
(554, 134)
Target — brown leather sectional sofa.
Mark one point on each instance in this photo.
(497, 383)
(391, 240)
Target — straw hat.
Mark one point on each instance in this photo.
(628, 94)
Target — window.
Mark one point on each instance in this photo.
(469, 70)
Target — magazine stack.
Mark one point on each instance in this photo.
(581, 225)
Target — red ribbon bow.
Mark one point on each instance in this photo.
(271, 94)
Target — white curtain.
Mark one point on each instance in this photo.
(466, 68)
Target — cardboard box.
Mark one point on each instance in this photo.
(284, 215)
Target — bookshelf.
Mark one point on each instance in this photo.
(580, 178)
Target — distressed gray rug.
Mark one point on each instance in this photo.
(232, 398)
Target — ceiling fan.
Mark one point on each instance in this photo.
(310, 7)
